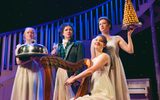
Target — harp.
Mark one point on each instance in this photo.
(54, 61)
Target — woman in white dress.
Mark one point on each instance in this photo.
(116, 74)
(101, 86)
(28, 84)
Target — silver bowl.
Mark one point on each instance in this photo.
(31, 50)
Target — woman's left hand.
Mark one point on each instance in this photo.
(130, 31)
(70, 80)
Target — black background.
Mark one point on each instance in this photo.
(15, 14)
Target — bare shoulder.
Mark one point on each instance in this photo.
(118, 37)
(104, 56)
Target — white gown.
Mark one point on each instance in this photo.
(62, 92)
(28, 82)
(101, 86)
(117, 74)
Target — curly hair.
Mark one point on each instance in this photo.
(61, 28)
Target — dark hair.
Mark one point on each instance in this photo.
(61, 28)
(107, 19)
(104, 41)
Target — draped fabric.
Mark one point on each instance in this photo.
(117, 74)
(28, 82)
(101, 86)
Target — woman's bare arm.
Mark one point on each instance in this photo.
(128, 47)
(97, 64)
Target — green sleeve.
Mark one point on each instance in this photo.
(80, 55)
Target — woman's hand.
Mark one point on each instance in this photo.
(54, 49)
(130, 31)
(70, 80)
(18, 61)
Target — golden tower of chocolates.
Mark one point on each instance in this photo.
(130, 19)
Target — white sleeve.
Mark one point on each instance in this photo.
(17, 47)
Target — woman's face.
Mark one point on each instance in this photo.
(29, 34)
(104, 26)
(67, 32)
(99, 44)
